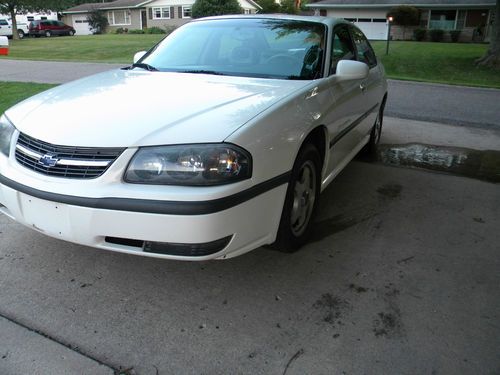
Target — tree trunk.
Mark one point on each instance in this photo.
(492, 57)
(14, 22)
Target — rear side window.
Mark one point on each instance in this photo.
(342, 48)
(3, 23)
(364, 50)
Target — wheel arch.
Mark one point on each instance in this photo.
(319, 138)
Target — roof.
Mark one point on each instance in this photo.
(329, 21)
(391, 3)
(122, 4)
(117, 4)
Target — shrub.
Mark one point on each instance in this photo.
(455, 35)
(204, 8)
(436, 35)
(97, 21)
(120, 30)
(154, 30)
(404, 15)
(136, 31)
(420, 34)
(169, 29)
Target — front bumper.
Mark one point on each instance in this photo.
(108, 214)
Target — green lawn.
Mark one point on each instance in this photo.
(451, 63)
(110, 48)
(14, 92)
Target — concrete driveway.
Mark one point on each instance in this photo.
(401, 277)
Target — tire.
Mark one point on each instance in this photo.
(301, 201)
(48, 34)
(20, 33)
(376, 133)
(71, 33)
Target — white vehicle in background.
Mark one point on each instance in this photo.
(6, 28)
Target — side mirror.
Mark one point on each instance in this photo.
(349, 70)
(138, 56)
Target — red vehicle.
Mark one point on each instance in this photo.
(49, 27)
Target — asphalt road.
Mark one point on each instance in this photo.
(401, 277)
(455, 105)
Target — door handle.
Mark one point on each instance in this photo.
(362, 87)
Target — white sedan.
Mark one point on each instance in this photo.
(215, 142)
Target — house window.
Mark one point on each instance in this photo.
(161, 13)
(31, 18)
(119, 17)
(186, 12)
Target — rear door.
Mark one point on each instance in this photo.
(371, 86)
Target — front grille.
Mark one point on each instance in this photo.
(64, 161)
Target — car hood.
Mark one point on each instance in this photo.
(123, 108)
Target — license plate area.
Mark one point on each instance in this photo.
(48, 217)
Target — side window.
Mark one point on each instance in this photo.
(342, 48)
(3, 23)
(364, 50)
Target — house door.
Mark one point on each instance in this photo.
(144, 19)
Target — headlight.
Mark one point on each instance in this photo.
(190, 165)
(6, 131)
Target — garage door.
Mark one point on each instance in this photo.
(373, 28)
(81, 25)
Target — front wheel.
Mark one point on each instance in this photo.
(48, 34)
(301, 201)
(71, 33)
(20, 33)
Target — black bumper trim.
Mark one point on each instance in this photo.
(153, 206)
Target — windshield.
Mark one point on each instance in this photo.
(247, 47)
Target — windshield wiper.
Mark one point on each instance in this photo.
(202, 72)
(144, 66)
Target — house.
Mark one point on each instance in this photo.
(140, 14)
(472, 17)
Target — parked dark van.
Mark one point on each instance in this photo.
(49, 28)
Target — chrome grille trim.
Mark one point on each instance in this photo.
(79, 162)
(65, 161)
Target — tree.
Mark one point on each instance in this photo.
(13, 7)
(289, 7)
(404, 15)
(492, 56)
(268, 6)
(205, 8)
(97, 21)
